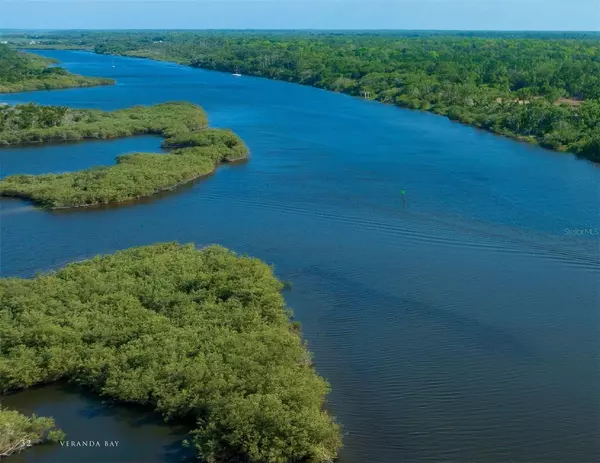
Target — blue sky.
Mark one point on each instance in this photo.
(303, 14)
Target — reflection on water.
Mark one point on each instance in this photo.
(460, 326)
(113, 433)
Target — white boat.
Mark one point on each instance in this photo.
(236, 73)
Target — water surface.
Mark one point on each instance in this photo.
(69, 157)
(111, 433)
(462, 326)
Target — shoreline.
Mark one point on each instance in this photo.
(129, 200)
(32, 72)
(71, 141)
(86, 85)
(194, 151)
(515, 137)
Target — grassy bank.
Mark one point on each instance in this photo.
(19, 432)
(196, 150)
(22, 72)
(201, 334)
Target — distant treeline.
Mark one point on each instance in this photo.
(194, 334)
(20, 72)
(539, 88)
(196, 151)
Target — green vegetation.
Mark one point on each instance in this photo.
(542, 88)
(196, 151)
(201, 334)
(21, 72)
(18, 432)
(537, 87)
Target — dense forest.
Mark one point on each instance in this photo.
(196, 150)
(24, 71)
(18, 432)
(195, 334)
(542, 89)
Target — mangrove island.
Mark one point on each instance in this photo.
(201, 334)
(196, 150)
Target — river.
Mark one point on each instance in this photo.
(461, 325)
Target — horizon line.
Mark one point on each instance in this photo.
(298, 29)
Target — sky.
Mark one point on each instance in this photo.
(570, 15)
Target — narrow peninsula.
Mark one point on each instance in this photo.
(195, 151)
(201, 334)
(23, 72)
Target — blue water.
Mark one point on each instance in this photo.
(462, 325)
(68, 157)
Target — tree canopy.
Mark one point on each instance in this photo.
(539, 88)
(18, 432)
(201, 334)
(21, 72)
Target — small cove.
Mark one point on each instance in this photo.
(55, 158)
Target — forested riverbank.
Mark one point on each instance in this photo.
(196, 150)
(541, 91)
(194, 334)
(541, 88)
(23, 72)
